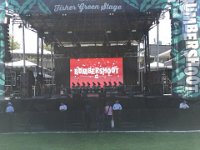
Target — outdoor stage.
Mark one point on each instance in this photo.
(94, 42)
(97, 43)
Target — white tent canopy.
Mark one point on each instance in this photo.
(30, 51)
(168, 63)
(165, 55)
(155, 64)
(20, 63)
(28, 64)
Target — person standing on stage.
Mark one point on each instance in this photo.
(63, 115)
(87, 115)
(63, 107)
(100, 117)
(108, 111)
(183, 105)
(10, 108)
(10, 111)
(117, 108)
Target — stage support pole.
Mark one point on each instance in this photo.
(138, 60)
(38, 56)
(157, 46)
(52, 63)
(140, 77)
(147, 62)
(42, 52)
(146, 53)
(24, 50)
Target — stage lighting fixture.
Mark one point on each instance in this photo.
(133, 30)
(108, 31)
(20, 25)
(69, 32)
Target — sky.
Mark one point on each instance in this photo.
(164, 31)
(31, 38)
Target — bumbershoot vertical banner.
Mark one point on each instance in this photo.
(2, 48)
(185, 48)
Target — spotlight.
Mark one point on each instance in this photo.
(108, 31)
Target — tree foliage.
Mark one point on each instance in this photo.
(47, 47)
(13, 43)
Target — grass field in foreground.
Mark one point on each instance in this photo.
(100, 141)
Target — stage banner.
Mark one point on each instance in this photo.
(2, 48)
(2, 10)
(84, 6)
(185, 48)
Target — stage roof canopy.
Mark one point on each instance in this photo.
(90, 20)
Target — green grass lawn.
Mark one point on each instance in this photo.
(100, 141)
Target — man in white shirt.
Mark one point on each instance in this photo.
(10, 108)
(63, 107)
(184, 105)
(63, 115)
(117, 108)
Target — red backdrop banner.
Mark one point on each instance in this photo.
(96, 70)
